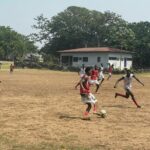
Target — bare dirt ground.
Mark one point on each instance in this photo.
(41, 110)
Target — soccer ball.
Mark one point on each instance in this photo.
(103, 113)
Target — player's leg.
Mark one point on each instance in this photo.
(77, 85)
(133, 98)
(95, 106)
(97, 87)
(86, 113)
(94, 102)
(88, 107)
(109, 76)
(101, 81)
(122, 95)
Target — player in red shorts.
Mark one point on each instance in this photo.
(94, 77)
(86, 96)
(127, 86)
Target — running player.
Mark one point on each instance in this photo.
(110, 70)
(94, 77)
(81, 73)
(101, 75)
(127, 86)
(86, 96)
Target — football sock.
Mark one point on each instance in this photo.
(86, 114)
(94, 109)
(135, 102)
(118, 94)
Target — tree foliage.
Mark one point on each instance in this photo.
(79, 27)
(141, 44)
(14, 45)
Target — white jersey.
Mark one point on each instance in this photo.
(101, 75)
(128, 81)
(102, 69)
(82, 72)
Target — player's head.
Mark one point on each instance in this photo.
(96, 67)
(128, 72)
(83, 66)
(88, 70)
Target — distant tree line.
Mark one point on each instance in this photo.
(14, 46)
(79, 27)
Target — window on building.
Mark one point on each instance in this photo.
(65, 59)
(113, 58)
(130, 59)
(85, 59)
(98, 59)
(80, 58)
(75, 59)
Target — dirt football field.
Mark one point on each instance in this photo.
(41, 110)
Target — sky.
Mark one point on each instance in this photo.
(20, 14)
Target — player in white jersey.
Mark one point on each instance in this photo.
(81, 74)
(127, 86)
(101, 74)
(82, 71)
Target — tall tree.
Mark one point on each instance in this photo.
(79, 27)
(14, 45)
(141, 44)
(118, 33)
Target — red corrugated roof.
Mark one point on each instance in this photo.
(94, 49)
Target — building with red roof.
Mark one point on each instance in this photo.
(95, 56)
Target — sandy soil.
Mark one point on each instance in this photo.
(41, 110)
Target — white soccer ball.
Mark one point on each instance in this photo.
(103, 113)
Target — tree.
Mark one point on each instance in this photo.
(14, 45)
(79, 27)
(141, 44)
(117, 32)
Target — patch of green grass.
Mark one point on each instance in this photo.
(6, 64)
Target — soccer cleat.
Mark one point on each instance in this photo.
(86, 116)
(94, 112)
(116, 95)
(139, 106)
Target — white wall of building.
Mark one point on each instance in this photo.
(120, 62)
(92, 59)
(104, 59)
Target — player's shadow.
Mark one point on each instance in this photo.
(69, 117)
(117, 106)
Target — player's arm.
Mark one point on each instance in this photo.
(138, 80)
(81, 82)
(118, 81)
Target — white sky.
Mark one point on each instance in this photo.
(20, 14)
